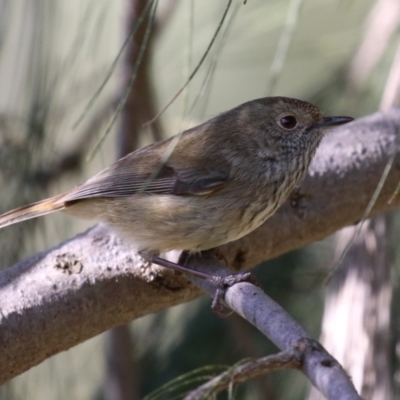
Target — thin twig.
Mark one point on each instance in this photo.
(285, 40)
(244, 371)
(114, 64)
(122, 103)
(196, 68)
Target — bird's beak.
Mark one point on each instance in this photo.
(331, 122)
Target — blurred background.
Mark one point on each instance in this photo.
(79, 79)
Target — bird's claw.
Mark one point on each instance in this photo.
(223, 283)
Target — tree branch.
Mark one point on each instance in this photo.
(56, 299)
(300, 350)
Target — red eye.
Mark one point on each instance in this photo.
(289, 122)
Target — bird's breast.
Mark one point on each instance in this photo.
(266, 199)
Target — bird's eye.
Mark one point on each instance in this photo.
(288, 122)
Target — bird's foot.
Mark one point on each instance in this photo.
(222, 283)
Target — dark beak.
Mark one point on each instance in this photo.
(331, 122)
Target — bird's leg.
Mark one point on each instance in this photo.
(222, 283)
(176, 267)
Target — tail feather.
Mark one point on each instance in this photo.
(32, 211)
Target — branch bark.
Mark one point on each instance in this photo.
(54, 300)
(357, 317)
(304, 352)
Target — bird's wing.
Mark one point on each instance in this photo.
(129, 176)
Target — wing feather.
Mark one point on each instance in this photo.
(123, 181)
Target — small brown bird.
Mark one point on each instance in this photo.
(204, 187)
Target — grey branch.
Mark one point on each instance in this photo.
(299, 350)
(54, 300)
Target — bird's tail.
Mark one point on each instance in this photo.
(32, 211)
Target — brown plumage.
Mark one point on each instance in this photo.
(207, 186)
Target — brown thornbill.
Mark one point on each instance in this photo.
(204, 187)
